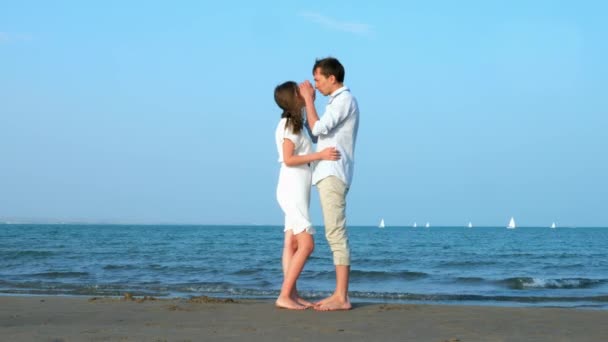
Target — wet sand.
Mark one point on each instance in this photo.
(63, 319)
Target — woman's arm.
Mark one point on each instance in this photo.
(329, 153)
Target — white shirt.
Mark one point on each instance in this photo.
(337, 127)
(301, 141)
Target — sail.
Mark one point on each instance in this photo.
(553, 225)
(511, 223)
(470, 225)
(381, 225)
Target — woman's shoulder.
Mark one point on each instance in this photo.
(281, 124)
(285, 131)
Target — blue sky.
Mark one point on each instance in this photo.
(150, 112)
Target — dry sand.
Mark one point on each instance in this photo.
(204, 319)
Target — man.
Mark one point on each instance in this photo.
(337, 127)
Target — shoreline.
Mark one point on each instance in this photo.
(359, 301)
(354, 300)
(79, 318)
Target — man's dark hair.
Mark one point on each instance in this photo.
(330, 66)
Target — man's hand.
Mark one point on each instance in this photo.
(307, 91)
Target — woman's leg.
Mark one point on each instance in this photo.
(305, 246)
(289, 249)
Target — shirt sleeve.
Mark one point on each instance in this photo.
(332, 117)
(295, 138)
(313, 137)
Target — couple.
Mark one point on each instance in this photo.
(335, 134)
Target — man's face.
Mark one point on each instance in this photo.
(323, 84)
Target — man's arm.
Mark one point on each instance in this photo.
(292, 159)
(331, 118)
(334, 115)
(308, 93)
(313, 137)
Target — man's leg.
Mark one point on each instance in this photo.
(332, 192)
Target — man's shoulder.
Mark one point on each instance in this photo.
(344, 97)
(347, 100)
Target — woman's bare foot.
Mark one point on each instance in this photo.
(302, 301)
(333, 303)
(296, 297)
(288, 303)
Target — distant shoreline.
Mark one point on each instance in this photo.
(273, 225)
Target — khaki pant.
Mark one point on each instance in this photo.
(332, 192)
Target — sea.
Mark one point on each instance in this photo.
(527, 266)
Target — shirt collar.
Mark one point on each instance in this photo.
(338, 92)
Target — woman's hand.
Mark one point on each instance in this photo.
(330, 153)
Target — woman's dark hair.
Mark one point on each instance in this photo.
(330, 66)
(286, 96)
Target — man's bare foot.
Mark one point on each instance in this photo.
(288, 303)
(333, 303)
(323, 301)
(326, 300)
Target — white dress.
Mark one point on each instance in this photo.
(293, 190)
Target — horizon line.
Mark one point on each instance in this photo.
(72, 223)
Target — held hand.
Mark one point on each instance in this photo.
(314, 93)
(307, 91)
(330, 153)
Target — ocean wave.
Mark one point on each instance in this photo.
(383, 262)
(521, 283)
(59, 274)
(467, 263)
(119, 267)
(466, 297)
(380, 275)
(563, 267)
(249, 271)
(226, 289)
(470, 280)
(361, 275)
(178, 269)
(27, 254)
(83, 289)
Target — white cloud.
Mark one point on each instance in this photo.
(356, 28)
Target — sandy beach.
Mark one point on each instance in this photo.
(206, 319)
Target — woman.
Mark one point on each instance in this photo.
(293, 190)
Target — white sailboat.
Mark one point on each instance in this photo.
(381, 225)
(415, 225)
(427, 225)
(470, 225)
(553, 226)
(511, 223)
